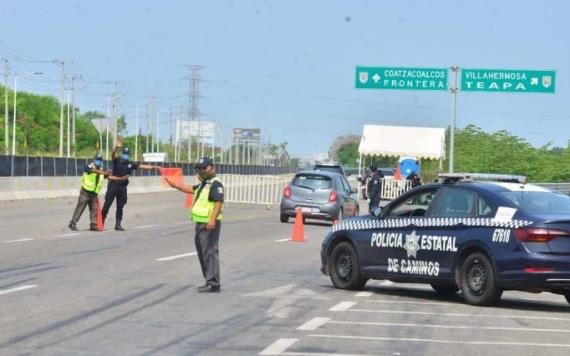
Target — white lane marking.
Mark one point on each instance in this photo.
(323, 354)
(20, 240)
(170, 258)
(17, 289)
(364, 294)
(342, 306)
(146, 226)
(409, 302)
(282, 240)
(438, 326)
(314, 324)
(435, 341)
(68, 235)
(278, 347)
(511, 316)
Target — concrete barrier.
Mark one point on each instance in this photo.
(25, 188)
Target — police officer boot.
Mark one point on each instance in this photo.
(93, 227)
(208, 288)
(118, 226)
(72, 226)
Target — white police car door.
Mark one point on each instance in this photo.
(393, 248)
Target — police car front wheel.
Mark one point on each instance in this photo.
(478, 283)
(344, 268)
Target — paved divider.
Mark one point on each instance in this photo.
(263, 189)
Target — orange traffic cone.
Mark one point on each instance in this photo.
(298, 229)
(100, 225)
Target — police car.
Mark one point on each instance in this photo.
(478, 233)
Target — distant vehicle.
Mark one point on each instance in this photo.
(335, 167)
(481, 234)
(320, 195)
(155, 157)
(387, 172)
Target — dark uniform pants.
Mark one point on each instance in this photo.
(86, 198)
(208, 253)
(118, 191)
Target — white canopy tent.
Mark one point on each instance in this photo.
(402, 141)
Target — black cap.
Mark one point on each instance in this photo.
(126, 150)
(203, 163)
(98, 157)
(373, 168)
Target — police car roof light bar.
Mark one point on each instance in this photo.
(507, 178)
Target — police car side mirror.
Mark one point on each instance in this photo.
(376, 212)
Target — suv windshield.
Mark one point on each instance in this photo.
(312, 181)
(540, 202)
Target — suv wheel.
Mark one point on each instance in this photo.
(344, 268)
(446, 289)
(478, 283)
(284, 218)
(567, 296)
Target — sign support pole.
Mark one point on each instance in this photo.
(454, 90)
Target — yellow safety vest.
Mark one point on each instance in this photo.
(202, 208)
(89, 182)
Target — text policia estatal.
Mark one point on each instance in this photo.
(424, 242)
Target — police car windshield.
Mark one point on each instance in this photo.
(540, 202)
(312, 181)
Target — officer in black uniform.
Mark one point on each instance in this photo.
(118, 182)
(374, 188)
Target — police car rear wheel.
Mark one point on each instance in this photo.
(478, 284)
(345, 271)
(448, 289)
(284, 218)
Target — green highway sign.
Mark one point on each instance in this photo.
(401, 78)
(506, 80)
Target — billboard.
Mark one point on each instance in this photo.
(241, 135)
(202, 130)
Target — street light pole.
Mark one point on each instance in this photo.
(454, 91)
(15, 109)
(6, 128)
(14, 120)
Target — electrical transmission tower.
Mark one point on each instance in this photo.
(194, 78)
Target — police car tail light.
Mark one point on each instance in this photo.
(332, 197)
(538, 234)
(287, 192)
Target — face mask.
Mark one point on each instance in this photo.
(98, 163)
(126, 157)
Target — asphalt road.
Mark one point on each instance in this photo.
(134, 293)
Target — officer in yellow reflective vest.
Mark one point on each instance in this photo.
(206, 212)
(91, 184)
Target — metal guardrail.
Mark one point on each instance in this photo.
(393, 188)
(253, 189)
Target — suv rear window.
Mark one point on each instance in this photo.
(312, 181)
